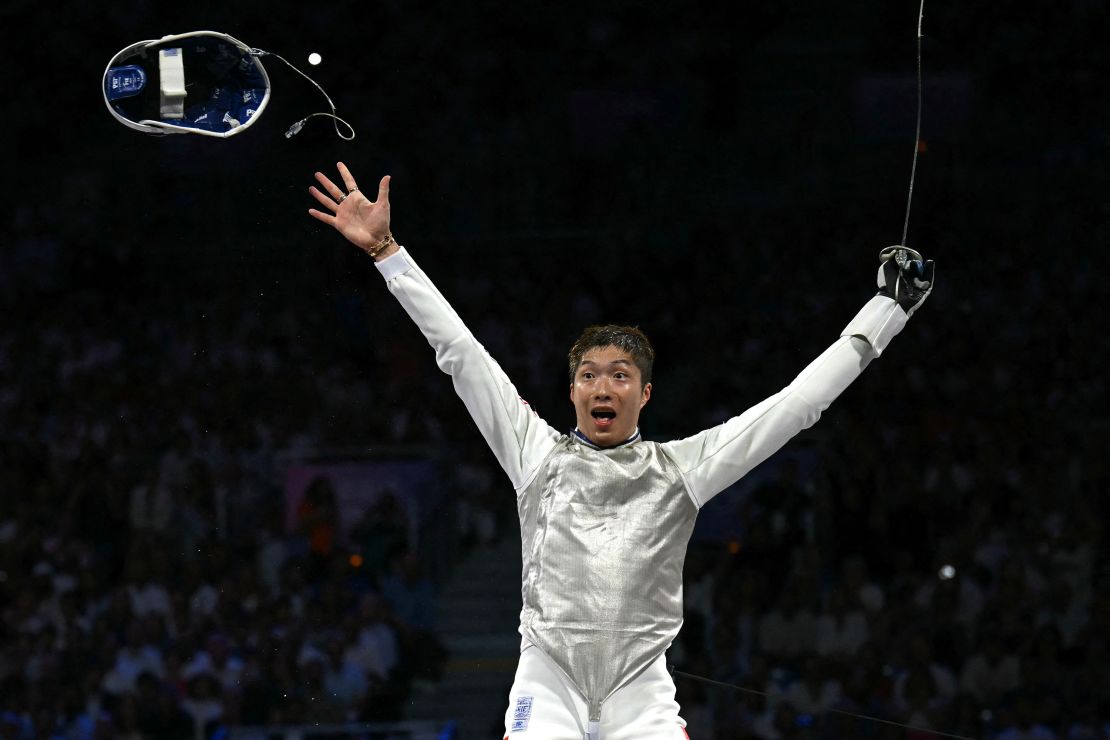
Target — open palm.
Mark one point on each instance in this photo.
(363, 222)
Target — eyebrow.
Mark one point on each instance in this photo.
(591, 363)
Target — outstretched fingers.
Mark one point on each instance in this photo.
(363, 216)
(333, 190)
(323, 200)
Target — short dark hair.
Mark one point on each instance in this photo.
(627, 338)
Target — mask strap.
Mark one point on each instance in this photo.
(296, 127)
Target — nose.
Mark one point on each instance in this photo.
(602, 388)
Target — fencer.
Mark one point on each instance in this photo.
(605, 515)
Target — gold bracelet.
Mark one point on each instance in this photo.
(381, 246)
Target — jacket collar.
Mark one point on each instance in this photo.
(586, 441)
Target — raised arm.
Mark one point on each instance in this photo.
(519, 438)
(716, 458)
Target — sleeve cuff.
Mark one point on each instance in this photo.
(395, 264)
(877, 322)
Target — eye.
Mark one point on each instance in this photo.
(619, 375)
(587, 376)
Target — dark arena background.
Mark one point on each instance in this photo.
(238, 499)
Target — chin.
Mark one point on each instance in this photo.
(609, 436)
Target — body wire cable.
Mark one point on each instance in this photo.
(296, 127)
(831, 711)
(905, 231)
(917, 132)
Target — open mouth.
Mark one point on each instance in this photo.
(603, 417)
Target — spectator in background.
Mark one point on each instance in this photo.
(344, 680)
(382, 531)
(167, 719)
(173, 465)
(147, 593)
(318, 522)
(477, 497)
(919, 659)
(411, 599)
(158, 712)
(752, 604)
(1020, 719)
(919, 704)
(867, 689)
(321, 705)
(197, 518)
(274, 549)
(759, 709)
(1043, 672)
(966, 596)
(216, 660)
(409, 593)
(152, 504)
(132, 659)
(127, 721)
(1062, 612)
(789, 630)
(814, 690)
(203, 704)
(991, 671)
(949, 635)
(860, 588)
(203, 596)
(842, 627)
(375, 646)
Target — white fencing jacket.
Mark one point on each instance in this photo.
(604, 531)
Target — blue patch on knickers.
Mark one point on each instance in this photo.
(522, 714)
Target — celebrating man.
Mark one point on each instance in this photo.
(605, 516)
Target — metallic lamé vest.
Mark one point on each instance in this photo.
(604, 535)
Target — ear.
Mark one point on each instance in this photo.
(645, 395)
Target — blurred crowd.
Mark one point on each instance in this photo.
(944, 565)
(903, 590)
(151, 584)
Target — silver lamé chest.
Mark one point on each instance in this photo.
(604, 535)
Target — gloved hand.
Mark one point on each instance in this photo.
(905, 276)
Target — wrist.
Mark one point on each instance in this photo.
(389, 251)
(381, 248)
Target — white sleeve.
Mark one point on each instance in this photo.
(716, 458)
(519, 438)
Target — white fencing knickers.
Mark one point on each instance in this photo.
(543, 705)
